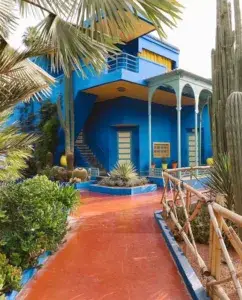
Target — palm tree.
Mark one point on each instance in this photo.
(71, 33)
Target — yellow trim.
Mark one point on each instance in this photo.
(159, 59)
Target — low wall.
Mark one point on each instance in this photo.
(190, 278)
(123, 190)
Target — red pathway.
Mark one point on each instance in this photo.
(116, 252)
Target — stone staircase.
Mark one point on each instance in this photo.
(88, 155)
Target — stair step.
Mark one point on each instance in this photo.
(87, 154)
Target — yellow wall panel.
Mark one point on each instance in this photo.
(159, 59)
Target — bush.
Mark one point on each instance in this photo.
(200, 225)
(123, 175)
(34, 218)
(10, 276)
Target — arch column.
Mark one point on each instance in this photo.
(150, 97)
(178, 108)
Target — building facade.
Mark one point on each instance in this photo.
(142, 108)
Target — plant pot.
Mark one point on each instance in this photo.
(63, 161)
(174, 165)
(210, 161)
(164, 166)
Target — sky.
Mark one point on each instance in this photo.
(194, 35)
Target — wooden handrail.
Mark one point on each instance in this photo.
(217, 246)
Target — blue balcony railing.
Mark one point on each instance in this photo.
(123, 61)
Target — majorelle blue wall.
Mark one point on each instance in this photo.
(128, 114)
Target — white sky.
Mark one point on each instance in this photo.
(194, 35)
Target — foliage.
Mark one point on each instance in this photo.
(10, 276)
(220, 181)
(62, 35)
(47, 130)
(123, 174)
(20, 78)
(200, 225)
(34, 218)
(125, 171)
(15, 149)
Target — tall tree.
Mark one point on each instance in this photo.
(72, 34)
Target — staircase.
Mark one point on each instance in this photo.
(88, 155)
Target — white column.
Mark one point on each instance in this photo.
(150, 95)
(200, 136)
(196, 127)
(178, 108)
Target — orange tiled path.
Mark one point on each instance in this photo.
(115, 253)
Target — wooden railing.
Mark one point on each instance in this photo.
(176, 194)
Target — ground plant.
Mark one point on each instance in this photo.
(10, 276)
(123, 175)
(33, 218)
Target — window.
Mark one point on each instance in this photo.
(159, 59)
(161, 150)
(124, 146)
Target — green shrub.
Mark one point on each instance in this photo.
(123, 175)
(10, 276)
(33, 219)
(200, 225)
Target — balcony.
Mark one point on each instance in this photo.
(123, 61)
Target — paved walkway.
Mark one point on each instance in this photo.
(116, 252)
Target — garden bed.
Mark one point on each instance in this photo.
(204, 252)
(128, 191)
(187, 264)
(189, 276)
(83, 185)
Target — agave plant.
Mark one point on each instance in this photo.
(220, 181)
(124, 171)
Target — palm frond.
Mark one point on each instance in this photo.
(71, 46)
(57, 7)
(220, 181)
(15, 149)
(85, 31)
(8, 18)
(113, 16)
(20, 79)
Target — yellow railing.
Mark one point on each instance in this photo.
(176, 194)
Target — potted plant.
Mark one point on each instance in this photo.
(174, 164)
(210, 161)
(164, 164)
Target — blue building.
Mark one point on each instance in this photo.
(142, 108)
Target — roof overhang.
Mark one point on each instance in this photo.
(182, 82)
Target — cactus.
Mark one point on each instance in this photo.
(67, 118)
(234, 142)
(222, 75)
(80, 173)
(225, 110)
(49, 159)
